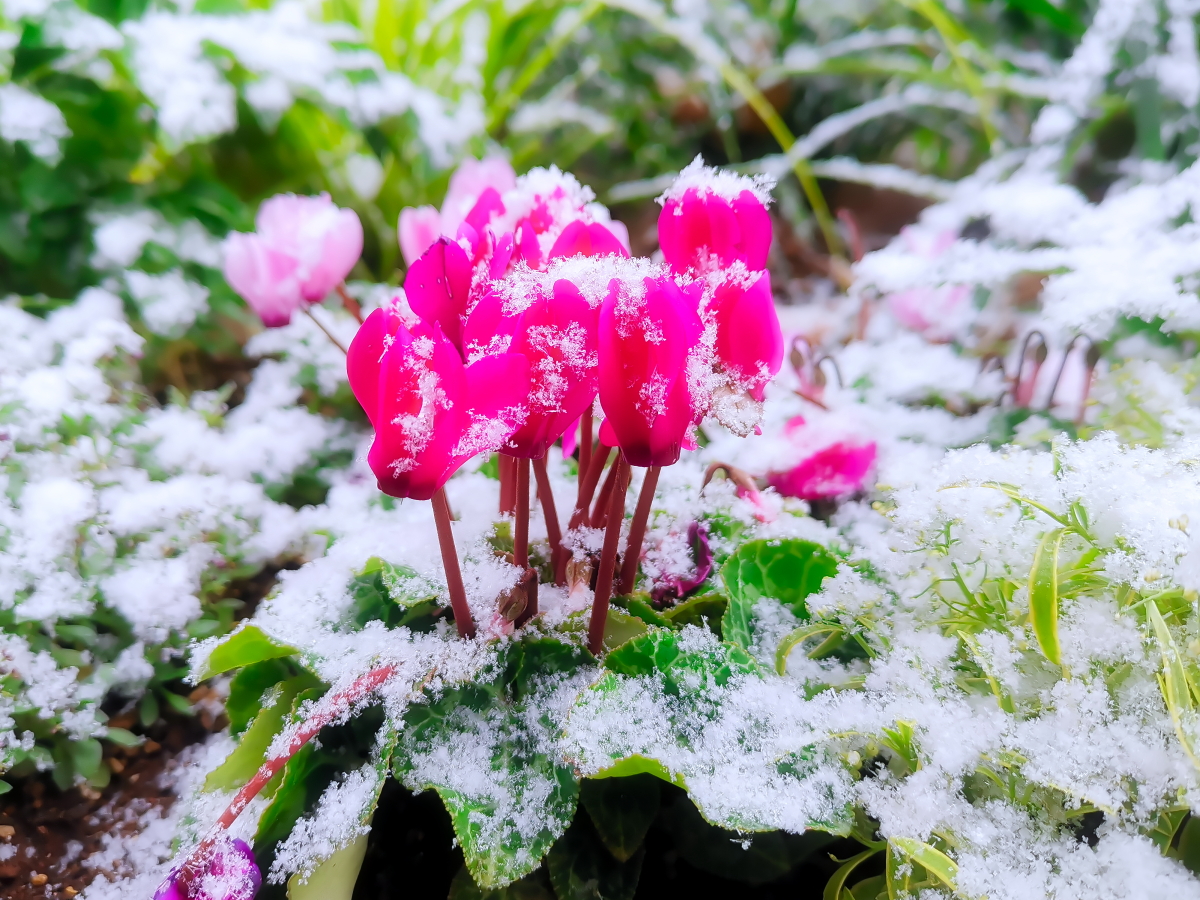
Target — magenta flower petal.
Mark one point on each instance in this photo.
(430, 412)
(580, 238)
(418, 228)
(833, 471)
(467, 185)
(438, 287)
(749, 340)
(231, 874)
(644, 347)
(678, 587)
(712, 219)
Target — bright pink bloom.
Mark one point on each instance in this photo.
(710, 220)
(431, 413)
(587, 239)
(749, 343)
(302, 248)
(676, 587)
(645, 344)
(438, 287)
(556, 331)
(419, 227)
(231, 874)
(834, 470)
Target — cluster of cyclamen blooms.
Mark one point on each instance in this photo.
(514, 328)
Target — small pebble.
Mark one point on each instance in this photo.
(7, 831)
(37, 880)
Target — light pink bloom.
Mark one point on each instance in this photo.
(301, 249)
(419, 227)
(833, 470)
(431, 413)
(644, 348)
(935, 312)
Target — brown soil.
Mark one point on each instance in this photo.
(55, 831)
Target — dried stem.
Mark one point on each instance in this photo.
(637, 531)
(328, 709)
(349, 303)
(521, 525)
(608, 560)
(454, 582)
(550, 514)
(328, 333)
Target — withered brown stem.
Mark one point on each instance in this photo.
(454, 582)
(608, 559)
(637, 531)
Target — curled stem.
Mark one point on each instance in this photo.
(637, 531)
(454, 582)
(608, 559)
(328, 709)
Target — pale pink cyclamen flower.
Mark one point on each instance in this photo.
(430, 411)
(420, 226)
(935, 312)
(231, 874)
(826, 470)
(301, 249)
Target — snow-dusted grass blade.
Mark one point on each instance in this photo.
(1174, 683)
(900, 881)
(835, 887)
(1043, 594)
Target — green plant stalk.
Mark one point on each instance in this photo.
(954, 35)
(538, 64)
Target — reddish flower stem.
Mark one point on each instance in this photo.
(349, 303)
(637, 531)
(454, 582)
(600, 509)
(585, 441)
(328, 333)
(587, 487)
(508, 484)
(327, 710)
(549, 513)
(521, 525)
(608, 560)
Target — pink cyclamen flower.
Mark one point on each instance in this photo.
(749, 345)
(711, 219)
(438, 288)
(430, 411)
(934, 311)
(834, 470)
(419, 227)
(645, 345)
(301, 249)
(231, 874)
(556, 331)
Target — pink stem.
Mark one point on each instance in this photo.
(549, 512)
(637, 531)
(608, 560)
(454, 582)
(521, 525)
(350, 304)
(328, 333)
(508, 484)
(327, 710)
